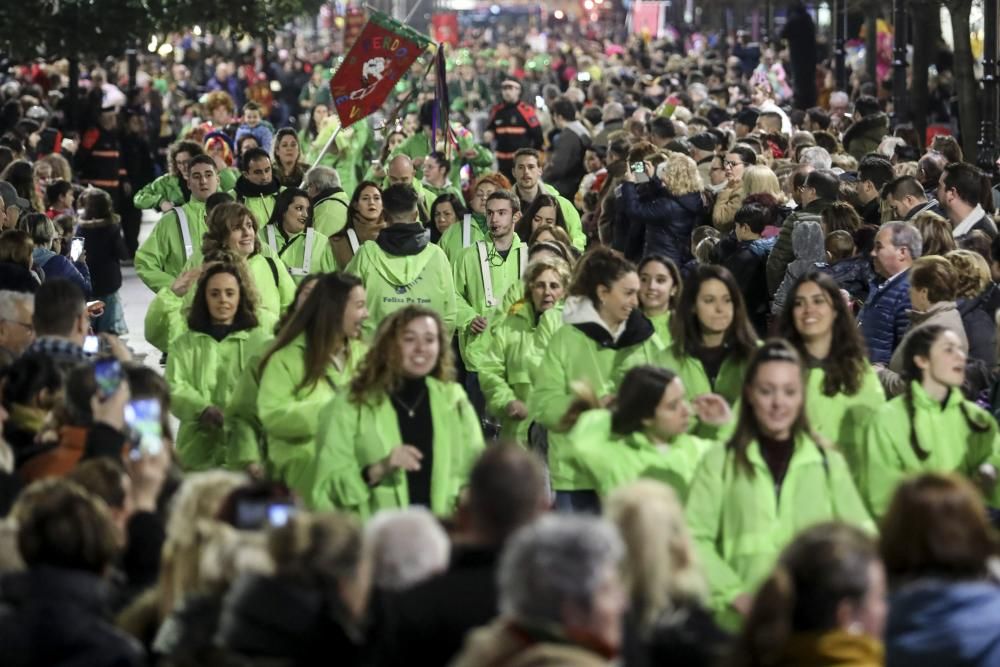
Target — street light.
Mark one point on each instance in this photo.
(987, 153)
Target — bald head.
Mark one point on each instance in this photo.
(400, 170)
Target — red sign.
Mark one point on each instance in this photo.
(444, 28)
(378, 59)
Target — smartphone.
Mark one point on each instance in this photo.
(91, 344)
(639, 169)
(143, 419)
(254, 514)
(539, 102)
(583, 76)
(76, 248)
(108, 375)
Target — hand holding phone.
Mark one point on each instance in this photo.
(76, 248)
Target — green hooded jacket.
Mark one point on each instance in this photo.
(506, 356)
(292, 251)
(330, 213)
(161, 257)
(615, 460)
(451, 242)
(728, 383)
(740, 523)
(944, 431)
(352, 437)
(168, 188)
(572, 217)
(202, 372)
(246, 435)
(393, 282)
(261, 206)
(290, 415)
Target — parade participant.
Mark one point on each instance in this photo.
(401, 267)
(931, 427)
(842, 388)
(473, 224)
(365, 219)
(660, 288)
(712, 339)
(289, 169)
(528, 185)
(753, 494)
(330, 202)
(604, 333)
(644, 433)
(177, 235)
(513, 125)
(544, 210)
(257, 187)
(507, 355)
(446, 210)
(313, 357)
(290, 234)
(172, 189)
(404, 433)
(205, 362)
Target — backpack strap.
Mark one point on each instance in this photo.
(274, 269)
(352, 238)
(307, 260)
(522, 257)
(272, 240)
(185, 226)
(484, 264)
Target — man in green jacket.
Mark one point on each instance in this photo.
(436, 183)
(528, 185)
(401, 267)
(330, 203)
(160, 259)
(257, 188)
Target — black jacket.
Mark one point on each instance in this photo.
(53, 617)
(430, 620)
(17, 278)
(663, 221)
(980, 327)
(747, 261)
(105, 248)
(855, 275)
(565, 169)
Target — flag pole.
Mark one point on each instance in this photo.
(326, 147)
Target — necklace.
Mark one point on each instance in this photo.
(411, 410)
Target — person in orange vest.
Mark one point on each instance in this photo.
(98, 160)
(513, 124)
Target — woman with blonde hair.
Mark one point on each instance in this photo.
(402, 393)
(758, 179)
(935, 230)
(978, 299)
(666, 587)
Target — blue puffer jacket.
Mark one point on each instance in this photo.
(666, 221)
(56, 266)
(885, 319)
(944, 624)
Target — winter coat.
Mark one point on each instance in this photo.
(741, 523)
(245, 442)
(666, 221)
(865, 135)
(105, 248)
(939, 623)
(958, 437)
(17, 278)
(506, 357)
(56, 267)
(885, 317)
(202, 372)
(260, 199)
(169, 188)
(835, 648)
(54, 616)
(747, 261)
(853, 274)
(843, 418)
(810, 254)
(161, 257)
(452, 242)
(290, 415)
(292, 251)
(502, 644)
(978, 318)
(564, 168)
(395, 281)
(616, 460)
(783, 253)
(727, 203)
(583, 350)
(352, 436)
(944, 314)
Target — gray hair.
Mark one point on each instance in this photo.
(323, 178)
(816, 157)
(407, 547)
(559, 559)
(9, 302)
(905, 235)
(613, 111)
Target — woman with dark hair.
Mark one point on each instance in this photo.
(930, 427)
(291, 236)
(401, 393)
(660, 287)
(604, 333)
(842, 389)
(824, 604)
(364, 222)
(289, 169)
(312, 358)
(104, 249)
(544, 210)
(753, 494)
(940, 556)
(446, 210)
(712, 337)
(394, 139)
(644, 432)
(205, 362)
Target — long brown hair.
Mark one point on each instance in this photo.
(844, 368)
(221, 221)
(747, 428)
(321, 320)
(685, 328)
(199, 319)
(379, 372)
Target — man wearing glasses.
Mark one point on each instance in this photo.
(16, 330)
(513, 125)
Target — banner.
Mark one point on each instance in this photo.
(379, 58)
(444, 28)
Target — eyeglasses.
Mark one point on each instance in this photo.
(732, 165)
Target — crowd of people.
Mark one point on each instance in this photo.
(645, 362)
